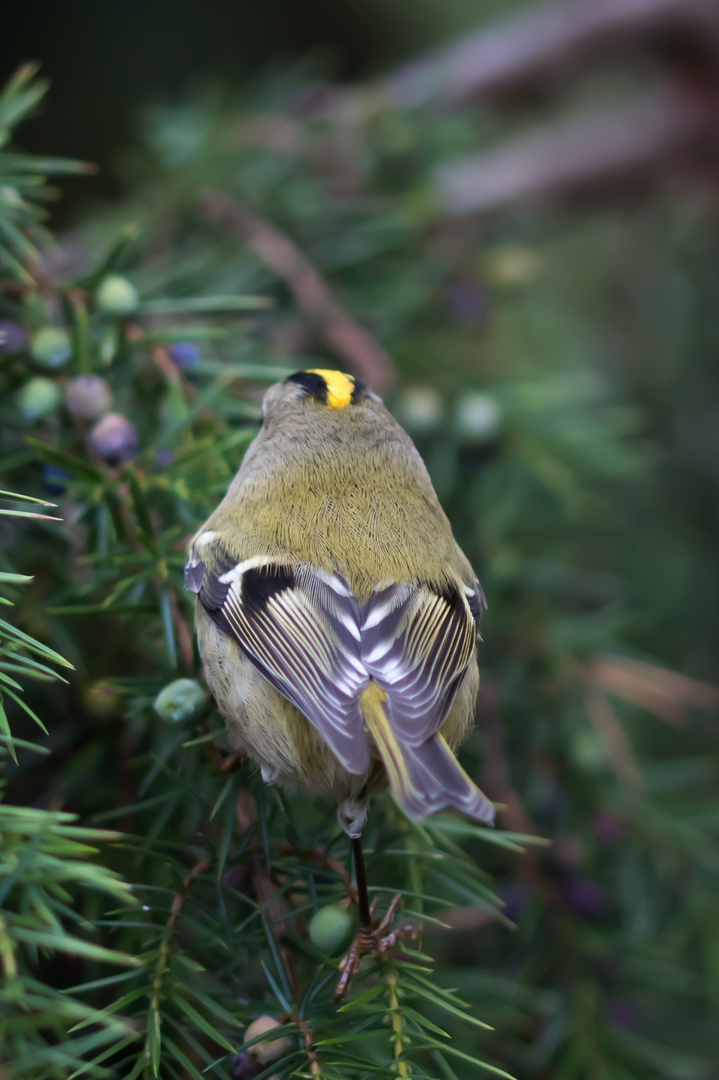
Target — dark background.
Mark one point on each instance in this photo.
(106, 61)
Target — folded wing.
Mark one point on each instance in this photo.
(416, 645)
(300, 629)
(305, 632)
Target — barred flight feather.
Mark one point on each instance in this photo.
(306, 634)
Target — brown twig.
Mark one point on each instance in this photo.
(529, 50)
(620, 146)
(614, 740)
(354, 345)
(162, 962)
(665, 694)
(179, 898)
(304, 1027)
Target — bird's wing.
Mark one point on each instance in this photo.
(300, 628)
(416, 644)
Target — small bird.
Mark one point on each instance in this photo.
(336, 615)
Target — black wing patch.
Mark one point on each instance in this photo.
(476, 599)
(262, 585)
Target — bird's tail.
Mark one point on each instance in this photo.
(426, 778)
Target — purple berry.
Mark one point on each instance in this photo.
(12, 337)
(184, 355)
(54, 479)
(114, 438)
(163, 458)
(586, 898)
(243, 1067)
(87, 397)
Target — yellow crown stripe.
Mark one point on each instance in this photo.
(339, 387)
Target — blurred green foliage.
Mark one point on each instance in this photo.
(557, 371)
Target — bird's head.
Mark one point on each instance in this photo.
(317, 391)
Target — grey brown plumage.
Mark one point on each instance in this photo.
(336, 615)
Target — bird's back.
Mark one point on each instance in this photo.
(325, 508)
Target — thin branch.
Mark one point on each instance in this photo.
(614, 740)
(162, 962)
(307, 1043)
(615, 147)
(665, 694)
(179, 898)
(354, 345)
(529, 50)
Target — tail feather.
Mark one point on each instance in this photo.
(423, 779)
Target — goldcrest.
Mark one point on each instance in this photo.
(336, 615)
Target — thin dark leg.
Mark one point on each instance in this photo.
(368, 940)
(365, 916)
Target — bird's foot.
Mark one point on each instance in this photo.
(378, 941)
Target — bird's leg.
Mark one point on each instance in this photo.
(365, 915)
(369, 939)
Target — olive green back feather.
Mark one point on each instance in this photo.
(349, 493)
